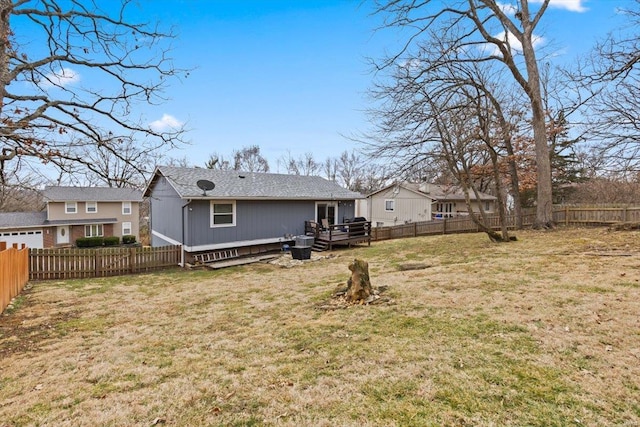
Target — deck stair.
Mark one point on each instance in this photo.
(320, 246)
(216, 256)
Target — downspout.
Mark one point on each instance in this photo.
(183, 235)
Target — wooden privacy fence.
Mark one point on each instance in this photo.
(564, 215)
(14, 273)
(581, 215)
(84, 263)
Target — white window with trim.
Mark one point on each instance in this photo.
(126, 228)
(223, 213)
(389, 205)
(93, 230)
(126, 208)
(91, 207)
(70, 207)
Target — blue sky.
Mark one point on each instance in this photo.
(291, 75)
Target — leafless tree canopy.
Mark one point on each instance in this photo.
(475, 31)
(614, 111)
(71, 75)
(249, 159)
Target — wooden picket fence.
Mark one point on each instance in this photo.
(562, 215)
(46, 264)
(14, 273)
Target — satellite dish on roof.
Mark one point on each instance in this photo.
(205, 185)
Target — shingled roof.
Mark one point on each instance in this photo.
(446, 192)
(22, 219)
(97, 194)
(250, 185)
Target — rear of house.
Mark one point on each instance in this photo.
(213, 210)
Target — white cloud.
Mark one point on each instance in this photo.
(516, 46)
(509, 9)
(62, 78)
(167, 122)
(570, 5)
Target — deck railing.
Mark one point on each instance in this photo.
(342, 234)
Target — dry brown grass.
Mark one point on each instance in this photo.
(543, 331)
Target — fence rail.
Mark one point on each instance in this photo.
(46, 264)
(565, 215)
(14, 273)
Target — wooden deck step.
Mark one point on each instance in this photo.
(320, 246)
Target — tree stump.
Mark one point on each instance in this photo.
(358, 286)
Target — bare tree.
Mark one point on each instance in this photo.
(451, 113)
(20, 192)
(348, 168)
(614, 114)
(303, 165)
(619, 190)
(249, 159)
(49, 112)
(217, 161)
(290, 164)
(371, 177)
(330, 168)
(130, 166)
(482, 31)
(178, 162)
(308, 165)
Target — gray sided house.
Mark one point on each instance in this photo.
(251, 212)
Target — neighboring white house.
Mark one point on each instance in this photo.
(403, 203)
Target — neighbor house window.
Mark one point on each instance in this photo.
(223, 214)
(487, 206)
(389, 205)
(70, 207)
(444, 210)
(93, 230)
(91, 207)
(126, 208)
(126, 228)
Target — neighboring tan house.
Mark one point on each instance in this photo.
(213, 210)
(404, 203)
(74, 212)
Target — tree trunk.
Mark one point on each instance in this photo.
(544, 207)
(358, 286)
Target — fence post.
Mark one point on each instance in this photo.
(444, 225)
(415, 229)
(132, 260)
(566, 216)
(624, 214)
(98, 263)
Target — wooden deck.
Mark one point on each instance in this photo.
(339, 234)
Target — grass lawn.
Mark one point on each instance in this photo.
(544, 331)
